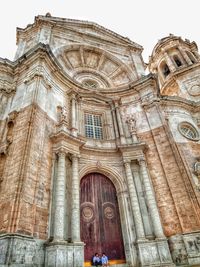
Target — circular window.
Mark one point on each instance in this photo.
(90, 83)
(189, 131)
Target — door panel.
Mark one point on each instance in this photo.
(100, 222)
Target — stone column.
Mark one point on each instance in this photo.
(129, 236)
(59, 221)
(185, 56)
(74, 126)
(141, 199)
(151, 201)
(134, 203)
(120, 125)
(75, 217)
(169, 62)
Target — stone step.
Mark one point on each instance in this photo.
(117, 265)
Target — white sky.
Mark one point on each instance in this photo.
(143, 21)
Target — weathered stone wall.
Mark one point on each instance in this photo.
(175, 204)
(27, 175)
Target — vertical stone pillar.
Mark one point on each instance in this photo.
(114, 121)
(169, 62)
(197, 56)
(151, 201)
(185, 56)
(120, 125)
(134, 203)
(75, 217)
(129, 236)
(60, 198)
(74, 125)
(141, 199)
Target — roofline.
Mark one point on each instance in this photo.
(54, 20)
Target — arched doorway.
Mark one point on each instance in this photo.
(100, 221)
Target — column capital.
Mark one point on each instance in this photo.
(116, 102)
(75, 156)
(73, 96)
(141, 161)
(126, 162)
(61, 152)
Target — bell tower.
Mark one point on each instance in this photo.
(172, 58)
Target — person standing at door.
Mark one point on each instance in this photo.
(104, 260)
(96, 260)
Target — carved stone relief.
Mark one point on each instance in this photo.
(23, 251)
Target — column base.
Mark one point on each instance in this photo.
(154, 253)
(61, 254)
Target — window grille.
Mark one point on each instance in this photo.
(90, 84)
(189, 131)
(93, 126)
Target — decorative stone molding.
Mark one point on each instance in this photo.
(7, 88)
(149, 100)
(62, 113)
(24, 251)
(194, 90)
(39, 73)
(197, 169)
(12, 116)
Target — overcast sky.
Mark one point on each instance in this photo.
(143, 21)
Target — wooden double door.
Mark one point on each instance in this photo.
(100, 221)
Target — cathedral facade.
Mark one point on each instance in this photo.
(96, 154)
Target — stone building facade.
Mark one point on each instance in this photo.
(96, 155)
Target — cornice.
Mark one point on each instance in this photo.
(98, 150)
(135, 146)
(180, 102)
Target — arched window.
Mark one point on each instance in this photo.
(165, 69)
(177, 61)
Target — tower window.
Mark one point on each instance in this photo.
(177, 61)
(93, 126)
(165, 70)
